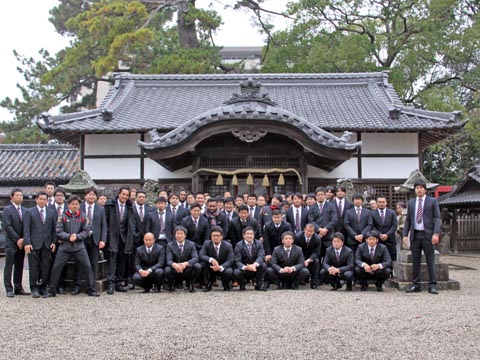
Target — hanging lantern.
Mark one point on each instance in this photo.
(234, 180)
(266, 181)
(281, 180)
(219, 180)
(249, 179)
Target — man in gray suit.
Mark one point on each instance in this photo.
(423, 223)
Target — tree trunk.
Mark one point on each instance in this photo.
(187, 31)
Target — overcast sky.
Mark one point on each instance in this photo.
(25, 27)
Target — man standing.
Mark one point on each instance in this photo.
(310, 244)
(14, 251)
(177, 210)
(215, 216)
(342, 205)
(272, 233)
(149, 264)
(423, 223)
(384, 221)
(338, 264)
(216, 257)
(49, 188)
(253, 210)
(238, 225)
(197, 226)
(297, 215)
(356, 223)
(40, 239)
(229, 210)
(161, 222)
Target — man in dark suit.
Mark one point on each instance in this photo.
(120, 226)
(339, 263)
(97, 237)
(182, 260)
(342, 205)
(423, 224)
(238, 224)
(253, 210)
(266, 213)
(149, 264)
(14, 251)
(287, 264)
(40, 239)
(356, 223)
(49, 188)
(297, 215)
(324, 217)
(310, 244)
(272, 233)
(372, 261)
(229, 210)
(73, 228)
(216, 258)
(161, 222)
(59, 205)
(249, 260)
(178, 211)
(215, 216)
(384, 221)
(197, 226)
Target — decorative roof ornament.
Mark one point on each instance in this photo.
(249, 136)
(80, 181)
(250, 91)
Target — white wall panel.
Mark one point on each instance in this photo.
(393, 143)
(105, 169)
(153, 170)
(388, 168)
(112, 144)
(349, 169)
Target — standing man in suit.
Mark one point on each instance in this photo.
(266, 213)
(59, 204)
(297, 215)
(229, 210)
(149, 264)
(14, 251)
(197, 226)
(310, 244)
(356, 223)
(73, 228)
(161, 222)
(372, 261)
(40, 239)
(249, 260)
(49, 188)
(182, 195)
(238, 224)
(287, 264)
(182, 261)
(384, 221)
(423, 224)
(217, 259)
(215, 216)
(339, 263)
(272, 233)
(178, 211)
(97, 237)
(120, 226)
(342, 205)
(253, 210)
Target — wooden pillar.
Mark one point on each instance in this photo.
(454, 231)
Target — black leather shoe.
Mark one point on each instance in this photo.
(156, 289)
(191, 288)
(349, 286)
(242, 287)
(260, 288)
(75, 291)
(35, 294)
(414, 289)
(110, 290)
(379, 288)
(364, 288)
(49, 295)
(22, 292)
(10, 294)
(93, 294)
(131, 286)
(433, 290)
(313, 286)
(208, 288)
(120, 289)
(61, 291)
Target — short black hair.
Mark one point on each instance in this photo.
(195, 205)
(161, 199)
(124, 187)
(73, 198)
(357, 196)
(15, 190)
(338, 235)
(288, 233)
(318, 189)
(420, 182)
(245, 229)
(216, 228)
(91, 189)
(59, 190)
(243, 207)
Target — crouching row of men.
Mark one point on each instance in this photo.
(287, 267)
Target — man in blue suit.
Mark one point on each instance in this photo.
(423, 223)
(161, 222)
(384, 221)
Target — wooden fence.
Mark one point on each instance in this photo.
(466, 236)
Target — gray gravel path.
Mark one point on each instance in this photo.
(285, 324)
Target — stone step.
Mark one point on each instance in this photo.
(406, 256)
(403, 271)
(441, 285)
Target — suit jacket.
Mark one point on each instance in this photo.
(242, 257)
(280, 260)
(189, 254)
(382, 256)
(13, 225)
(325, 219)
(272, 237)
(180, 213)
(257, 212)
(221, 220)
(353, 227)
(312, 250)
(234, 215)
(389, 227)
(36, 233)
(54, 208)
(153, 225)
(139, 226)
(98, 227)
(303, 217)
(340, 224)
(236, 227)
(200, 234)
(345, 261)
(155, 260)
(266, 216)
(116, 232)
(225, 253)
(431, 218)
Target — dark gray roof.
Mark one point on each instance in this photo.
(472, 198)
(333, 102)
(24, 163)
(468, 192)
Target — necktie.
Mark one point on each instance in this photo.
(249, 246)
(340, 207)
(419, 211)
(216, 251)
(42, 216)
(162, 222)
(50, 201)
(59, 210)
(89, 213)
(297, 221)
(180, 248)
(140, 213)
(195, 222)
(359, 214)
(174, 211)
(382, 216)
(229, 216)
(372, 254)
(337, 254)
(19, 210)
(307, 240)
(122, 212)
(288, 253)
(321, 207)
(252, 212)
(149, 250)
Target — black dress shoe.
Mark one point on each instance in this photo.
(120, 289)
(110, 290)
(49, 295)
(242, 287)
(433, 290)
(208, 288)
(364, 288)
(349, 286)
(414, 289)
(35, 294)
(131, 286)
(94, 294)
(156, 289)
(62, 291)
(75, 291)
(10, 294)
(379, 288)
(313, 286)
(260, 288)
(21, 292)
(191, 288)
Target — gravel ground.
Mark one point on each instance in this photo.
(277, 325)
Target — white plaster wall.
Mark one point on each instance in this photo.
(389, 143)
(349, 169)
(389, 168)
(153, 170)
(112, 144)
(105, 169)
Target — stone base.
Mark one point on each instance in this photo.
(100, 276)
(441, 285)
(403, 271)
(100, 285)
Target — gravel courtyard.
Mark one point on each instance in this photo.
(285, 324)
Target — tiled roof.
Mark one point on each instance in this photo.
(462, 199)
(333, 102)
(38, 162)
(466, 193)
